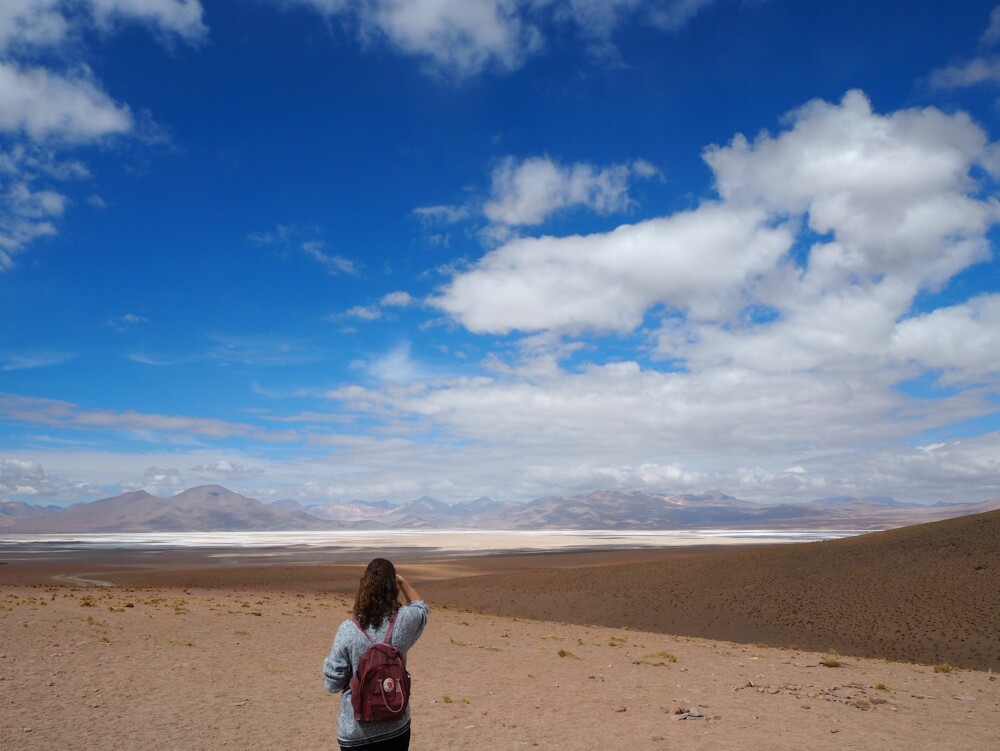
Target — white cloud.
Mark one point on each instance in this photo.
(527, 192)
(363, 313)
(333, 264)
(984, 68)
(784, 307)
(64, 107)
(63, 414)
(992, 34)
(24, 479)
(463, 38)
(45, 105)
(972, 73)
(442, 214)
(605, 282)
(398, 299)
(11, 361)
(155, 479)
(891, 196)
(961, 340)
(304, 240)
(395, 366)
(679, 13)
(228, 470)
(25, 23)
(459, 36)
(180, 17)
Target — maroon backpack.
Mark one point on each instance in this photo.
(380, 687)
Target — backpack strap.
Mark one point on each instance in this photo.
(388, 634)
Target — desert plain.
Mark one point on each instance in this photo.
(884, 641)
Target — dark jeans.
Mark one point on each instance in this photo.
(399, 743)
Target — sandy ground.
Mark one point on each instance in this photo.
(223, 664)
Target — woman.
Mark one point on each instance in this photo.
(374, 606)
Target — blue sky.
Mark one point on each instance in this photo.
(328, 250)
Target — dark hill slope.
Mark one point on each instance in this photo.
(928, 593)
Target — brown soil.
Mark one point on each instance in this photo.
(928, 594)
(185, 654)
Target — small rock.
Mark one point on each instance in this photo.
(694, 712)
(965, 698)
(862, 704)
(655, 737)
(834, 730)
(620, 709)
(806, 706)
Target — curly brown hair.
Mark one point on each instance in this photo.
(377, 594)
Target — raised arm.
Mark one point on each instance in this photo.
(406, 589)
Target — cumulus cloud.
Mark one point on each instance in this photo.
(894, 193)
(959, 340)
(527, 192)
(606, 282)
(784, 308)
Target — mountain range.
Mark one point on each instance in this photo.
(209, 508)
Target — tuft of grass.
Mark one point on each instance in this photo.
(883, 687)
(943, 667)
(669, 657)
(831, 662)
(447, 699)
(566, 653)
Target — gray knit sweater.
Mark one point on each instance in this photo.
(348, 646)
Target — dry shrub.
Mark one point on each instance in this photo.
(669, 657)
